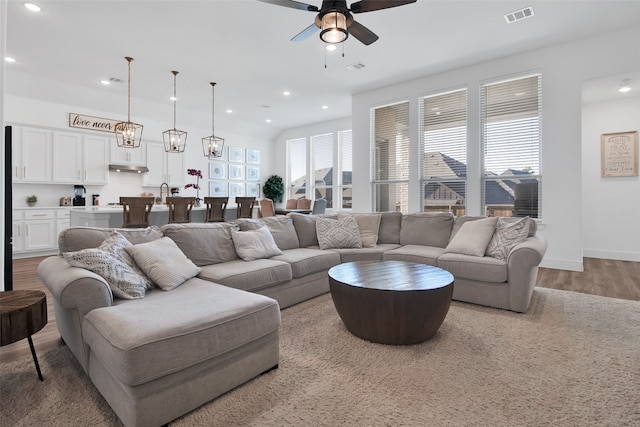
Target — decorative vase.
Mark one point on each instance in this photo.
(31, 204)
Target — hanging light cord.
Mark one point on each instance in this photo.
(129, 59)
(175, 73)
(212, 108)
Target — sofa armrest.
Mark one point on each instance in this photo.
(74, 287)
(522, 271)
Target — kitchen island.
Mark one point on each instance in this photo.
(112, 216)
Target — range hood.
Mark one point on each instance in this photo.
(128, 168)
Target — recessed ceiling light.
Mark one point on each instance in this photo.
(9, 59)
(32, 7)
(331, 47)
(286, 93)
(325, 107)
(625, 86)
(105, 82)
(268, 120)
(173, 98)
(229, 111)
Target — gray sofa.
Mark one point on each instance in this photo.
(159, 357)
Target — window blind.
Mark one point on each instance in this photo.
(322, 160)
(443, 141)
(390, 157)
(346, 168)
(296, 187)
(511, 113)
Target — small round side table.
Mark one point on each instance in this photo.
(22, 314)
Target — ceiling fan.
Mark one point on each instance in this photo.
(335, 20)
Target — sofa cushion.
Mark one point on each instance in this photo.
(338, 233)
(115, 265)
(163, 262)
(482, 269)
(459, 221)
(204, 243)
(426, 229)
(364, 254)
(415, 253)
(473, 237)
(306, 261)
(368, 224)
(147, 339)
(248, 275)
(281, 228)
(506, 236)
(389, 231)
(255, 244)
(75, 238)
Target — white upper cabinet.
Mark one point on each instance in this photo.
(164, 167)
(127, 156)
(31, 155)
(80, 159)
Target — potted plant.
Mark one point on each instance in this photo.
(198, 174)
(31, 200)
(273, 188)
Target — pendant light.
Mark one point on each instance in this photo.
(128, 134)
(174, 140)
(213, 145)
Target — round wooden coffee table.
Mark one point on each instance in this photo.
(22, 314)
(391, 302)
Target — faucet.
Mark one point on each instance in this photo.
(161, 185)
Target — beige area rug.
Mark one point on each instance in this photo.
(572, 360)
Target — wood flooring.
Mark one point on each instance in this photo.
(608, 278)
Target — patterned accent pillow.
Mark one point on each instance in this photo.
(164, 263)
(341, 233)
(111, 261)
(506, 236)
(255, 244)
(368, 224)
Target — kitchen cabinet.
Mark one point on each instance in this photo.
(127, 156)
(164, 167)
(34, 230)
(31, 155)
(80, 159)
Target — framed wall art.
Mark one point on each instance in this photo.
(236, 154)
(217, 189)
(217, 170)
(619, 154)
(253, 173)
(253, 156)
(253, 189)
(236, 172)
(236, 189)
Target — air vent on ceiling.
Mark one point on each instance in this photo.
(115, 80)
(519, 15)
(356, 66)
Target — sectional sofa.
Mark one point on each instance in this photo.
(191, 311)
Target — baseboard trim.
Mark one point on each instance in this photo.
(562, 264)
(615, 255)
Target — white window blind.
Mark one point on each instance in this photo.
(511, 113)
(296, 187)
(443, 141)
(322, 149)
(346, 169)
(390, 157)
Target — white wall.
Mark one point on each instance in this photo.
(29, 111)
(564, 67)
(610, 206)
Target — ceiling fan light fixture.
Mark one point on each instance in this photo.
(333, 27)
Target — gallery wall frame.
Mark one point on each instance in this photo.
(217, 189)
(253, 156)
(217, 170)
(236, 154)
(619, 154)
(236, 172)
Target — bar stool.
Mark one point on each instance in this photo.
(180, 209)
(245, 206)
(216, 208)
(136, 211)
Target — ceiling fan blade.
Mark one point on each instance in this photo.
(292, 4)
(304, 34)
(362, 33)
(371, 5)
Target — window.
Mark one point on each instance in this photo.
(297, 184)
(390, 158)
(510, 119)
(346, 168)
(443, 142)
(322, 148)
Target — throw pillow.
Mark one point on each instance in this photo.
(338, 233)
(473, 237)
(368, 224)
(255, 244)
(281, 228)
(163, 262)
(507, 235)
(111, 261)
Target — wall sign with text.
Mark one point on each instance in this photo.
(619, 153)
(92, 123)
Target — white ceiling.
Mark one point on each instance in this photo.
(244, 46)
